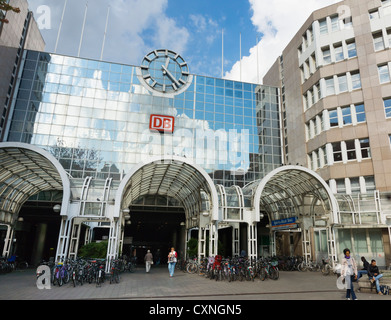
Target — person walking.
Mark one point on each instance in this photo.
(148, 261)
(349, 273)
(374, 275)
(172, 259)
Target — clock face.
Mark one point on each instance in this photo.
(165, 71)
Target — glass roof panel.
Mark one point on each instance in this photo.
(24, 173)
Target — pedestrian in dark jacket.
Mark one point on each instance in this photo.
(364, 270)
(374, 275)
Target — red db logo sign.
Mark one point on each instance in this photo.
(161, 123)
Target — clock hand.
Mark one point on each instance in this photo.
(165, 70)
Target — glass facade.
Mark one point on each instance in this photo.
(94, 117)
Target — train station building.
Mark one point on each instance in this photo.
(150, 156)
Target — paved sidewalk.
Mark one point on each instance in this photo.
(157, 285)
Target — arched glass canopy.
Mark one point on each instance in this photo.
(291, 191)
(173, 177)
(25, 171)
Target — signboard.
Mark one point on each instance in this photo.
(161, 123)
(283, 224)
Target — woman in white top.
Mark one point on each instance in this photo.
(172, 259)
(349, 273)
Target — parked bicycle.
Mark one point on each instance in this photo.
(326, 268)
(114, 271)
(309, 266)
(269, 269)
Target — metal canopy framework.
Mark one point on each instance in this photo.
(174, 177)
(282, 192)
(26, 170)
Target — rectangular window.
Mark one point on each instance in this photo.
(370, 183)
(360, 240)
(356, 80)
(330, 90)
(319, 91)
(374, 14)
(343, 83)
(365, 149)
(338, 51)
(348, 23)
(305, 101)
(360, 113)
(345, 239)
(378, 41)
(351, 150)
(341, 187)
(323, 26)
(337, 151)
(386, 4)
(346, 116)
(384, 73)
(325, 156)
(389, 37)
(326, 55)
(376, 241)
(334, 23)
(333, 116)
(355, 185)
(352, 50)
(387, 107)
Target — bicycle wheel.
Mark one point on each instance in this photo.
(262, 274)
(316, 267)
(74, 279)
(59, 280)
(191, 268)
(274, 274)
(326, 270)
(251, 275)
(302, 267)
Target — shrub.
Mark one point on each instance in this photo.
(95, 250)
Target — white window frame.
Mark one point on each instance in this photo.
(378, 41)
(384, 70)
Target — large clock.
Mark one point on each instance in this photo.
(165, 71)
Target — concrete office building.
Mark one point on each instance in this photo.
(335, 85)
(21, 33)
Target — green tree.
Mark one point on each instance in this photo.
(7, 7)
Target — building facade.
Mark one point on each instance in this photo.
(152, 155)
(116, 150)
(20, 33)
(334, 77)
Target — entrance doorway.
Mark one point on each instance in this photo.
(36, 231)
(170, 183)
(156, 223)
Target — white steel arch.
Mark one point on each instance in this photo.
(45, 172)
(176, 177)
(180, 164)
(296, 186)
(26, 170)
